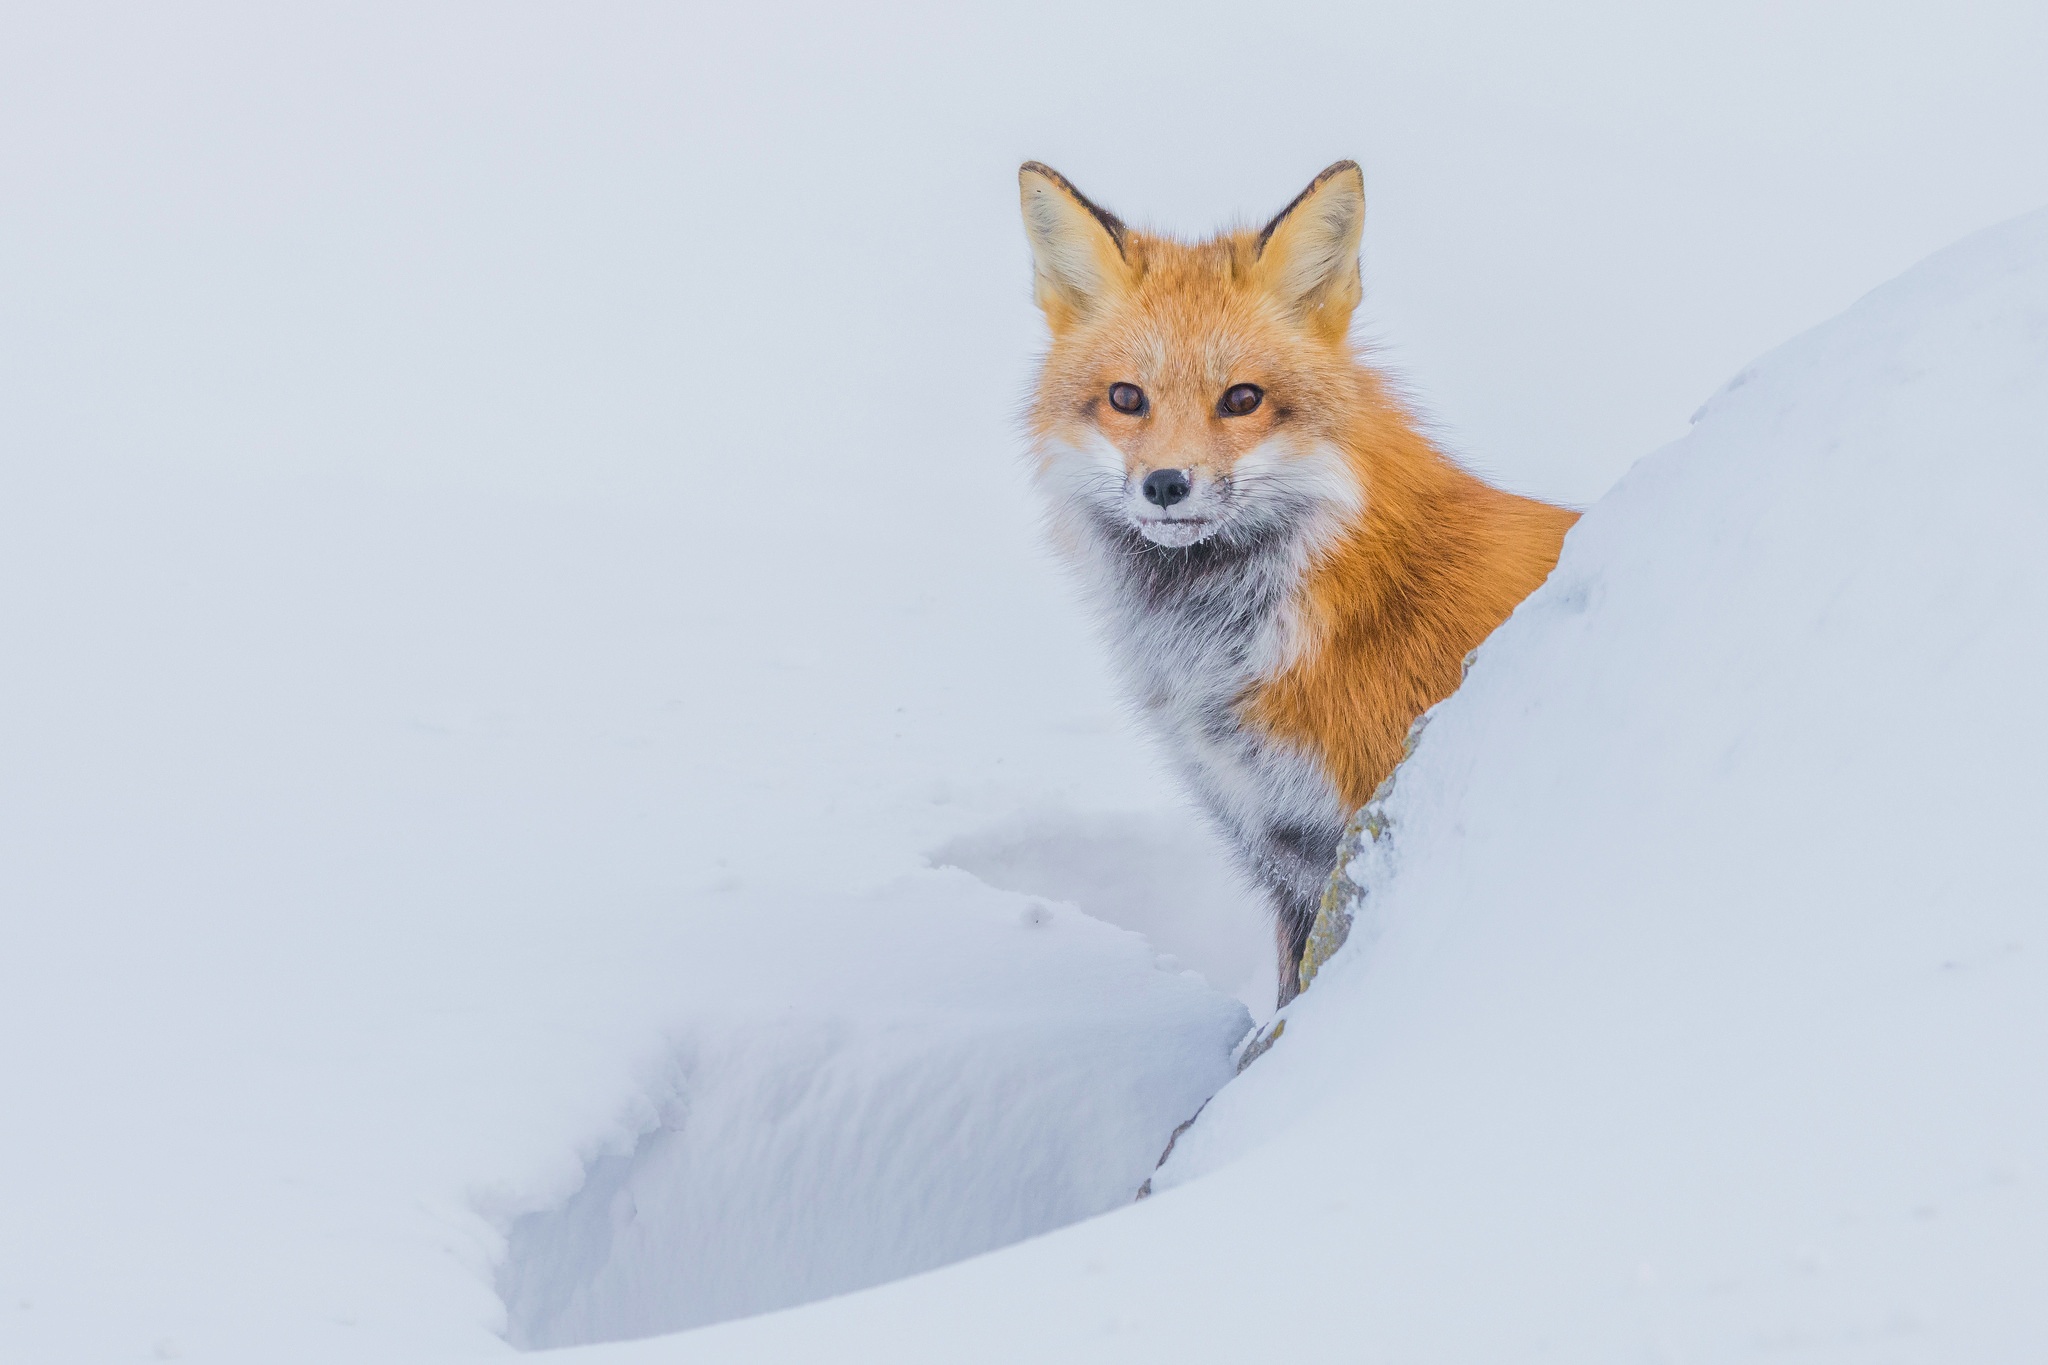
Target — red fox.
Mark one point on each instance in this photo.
(1288, 570)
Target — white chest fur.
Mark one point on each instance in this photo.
(1193, 630)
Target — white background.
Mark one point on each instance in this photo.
(612, 247)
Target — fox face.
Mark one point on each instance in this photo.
(1197, 393)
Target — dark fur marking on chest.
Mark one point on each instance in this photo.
(1223, 590)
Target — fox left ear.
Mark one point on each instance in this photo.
(1077, 248)
(1308, 255)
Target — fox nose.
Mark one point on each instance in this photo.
(1165, 487)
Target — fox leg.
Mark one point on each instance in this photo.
(1294, 862)
(1293, 916)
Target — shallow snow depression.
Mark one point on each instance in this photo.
(1019, 1069)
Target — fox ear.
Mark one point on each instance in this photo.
(1077, 249)
(1308, 256)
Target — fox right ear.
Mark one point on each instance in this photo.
(1077, 249)
(1308, 256)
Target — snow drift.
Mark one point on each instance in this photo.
(1697, 1003)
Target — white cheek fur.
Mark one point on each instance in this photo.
(1314, 488)
(1275, 487)
(1078, 479)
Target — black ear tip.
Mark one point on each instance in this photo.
(1330, 172)
(1111, 224)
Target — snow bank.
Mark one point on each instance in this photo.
(1697, 1007)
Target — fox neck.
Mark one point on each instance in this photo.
(1311, 639)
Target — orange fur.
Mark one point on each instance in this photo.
(1439, 559)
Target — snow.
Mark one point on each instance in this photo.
(519, 776)
(376, 869)
(1020, 1070)
(1697, 1008)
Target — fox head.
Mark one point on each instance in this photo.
(1198, 392)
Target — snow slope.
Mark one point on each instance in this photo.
(1698, 1009)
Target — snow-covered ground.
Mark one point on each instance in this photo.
(547, 791)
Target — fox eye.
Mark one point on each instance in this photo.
(1126, 397)
(1239, 399)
